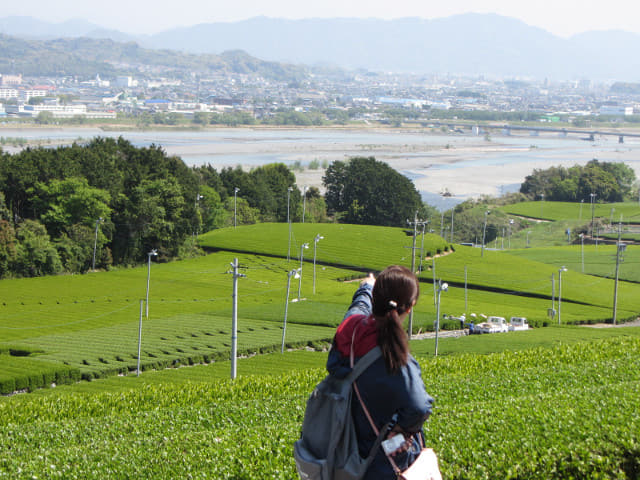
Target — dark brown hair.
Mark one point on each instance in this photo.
(395, 291)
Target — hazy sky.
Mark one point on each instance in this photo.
(562, 17)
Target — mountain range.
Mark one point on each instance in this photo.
(467, 44)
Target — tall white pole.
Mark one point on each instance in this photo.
(235, 206)
(152, 253)
(234, 320)
(139, 339)
(484, 232)
(553, 292)
(424, 226)
(560, 294)
(582, 250)
(289, 222)
(437, 325)
(466, 309)
(286, 308)
(615, 286)
(315, 245)
(451, 239)
(302, 247)
(95, 245)
(198, 198)
(304, 201)
(433, 271)
(441, 287)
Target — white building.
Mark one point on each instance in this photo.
(616, 110)
(11, 80)
(58, 111)
(126, 82)
(7, 93)
(25, 95)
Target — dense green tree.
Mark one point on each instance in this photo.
(75, 248)
(624, 175)
(68, 202)
(71, 185)
(211, 209)
(370, 192)
(594, 179)
(265, 188)
(7, 247)
(158, 208)
(245, 214)
(209, 176)
(35, 254)
(272, 182)
(611, 182)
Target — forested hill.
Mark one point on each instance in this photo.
(86, 57)
(70, 209)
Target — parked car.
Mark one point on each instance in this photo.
(517, 324)
(492, 325)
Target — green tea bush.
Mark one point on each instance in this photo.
(562, 412)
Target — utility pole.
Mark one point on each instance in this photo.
(562, 269)
(315, 247)
(302, 247)
(95, 245)
(152, 253)
(292, 273)
(234, 318)
(553, 296)
(415, 224)
(582, 250)
(433, 271)
(465, 291)
(484, 232)
(235, 206)
(442, 287)
(304, 201)
(139, 338)
(424, 226)
(593, 196)
(289, 190)
(451, 239)
(615, 286)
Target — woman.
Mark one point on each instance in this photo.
(391, 388)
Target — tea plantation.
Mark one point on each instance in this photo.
(554, 402)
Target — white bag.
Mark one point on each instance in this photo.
(425, 467)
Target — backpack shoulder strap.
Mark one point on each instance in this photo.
(364, 363)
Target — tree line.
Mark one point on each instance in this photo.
(108, 203)
(608, 181)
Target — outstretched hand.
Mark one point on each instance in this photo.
(369, 279)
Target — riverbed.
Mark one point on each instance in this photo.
(460, 165)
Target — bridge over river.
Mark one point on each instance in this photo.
(479, 128)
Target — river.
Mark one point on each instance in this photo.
(461, 164)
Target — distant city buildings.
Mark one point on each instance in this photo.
(348, 96)
(6, 80)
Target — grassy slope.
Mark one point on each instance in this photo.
(493, 417)
(90, 322)
(555, 211)
(598, 260)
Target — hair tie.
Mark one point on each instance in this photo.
(393, 304)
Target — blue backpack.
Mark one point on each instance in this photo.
(328, 447)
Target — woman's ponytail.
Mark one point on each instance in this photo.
(395, 291)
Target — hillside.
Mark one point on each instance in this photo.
(87, 57)
(471, 44)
